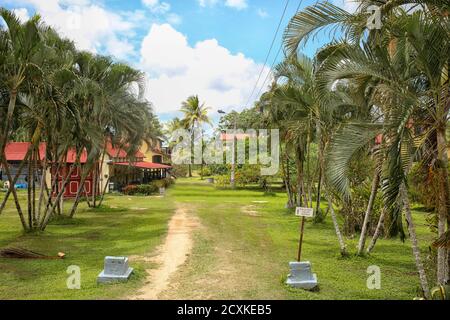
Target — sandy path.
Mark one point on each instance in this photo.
(171, 255)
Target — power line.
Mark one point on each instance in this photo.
(270, 50)
(276, 57)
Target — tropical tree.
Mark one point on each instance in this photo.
(71, 101)
(403, 69)
(195, 114)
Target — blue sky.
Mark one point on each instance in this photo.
(214, 48)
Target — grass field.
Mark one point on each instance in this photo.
(241, 250)
(131, 226)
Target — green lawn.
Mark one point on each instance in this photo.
(134, 226)
(241, 250)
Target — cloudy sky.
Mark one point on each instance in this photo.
(213, 48)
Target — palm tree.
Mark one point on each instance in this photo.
(405, 66)
(195, 114)
(68, 99)
(19, 45)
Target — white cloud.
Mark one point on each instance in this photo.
(174, 19)
(237, 4)
(262, 13)
(207, 3)
(95, 28)
(177, 70)
(157, 6)
(88, 24)
(22, 14)
(348, 5)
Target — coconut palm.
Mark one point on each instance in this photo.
(195, 114)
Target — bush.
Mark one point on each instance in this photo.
(143, 189)
(222, 181)
(179, 171)
(207, 172)
(164, 183)
(2, 184)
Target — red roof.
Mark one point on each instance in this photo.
(72, 156)
(142, 165)
(115, 152)
(16, 151)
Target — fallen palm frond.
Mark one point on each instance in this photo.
(20, 253)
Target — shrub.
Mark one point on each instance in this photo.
(207, 172)
(143, 189)
(222, 181)
(130, 190)
(179, 171)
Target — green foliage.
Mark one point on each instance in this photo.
(246, 119)
(144, 189)
(179, 171)
(207, 172)
(163, 183)
(441, 293)
(219, 169)
(320, 216)
(423, 187)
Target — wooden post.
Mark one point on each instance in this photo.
(302, 228)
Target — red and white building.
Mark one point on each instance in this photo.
(116, 171)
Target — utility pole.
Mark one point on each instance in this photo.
(233, 158)
(233, 154)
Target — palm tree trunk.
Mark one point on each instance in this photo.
(319, 191)
(342, 245)
(290, 203)
(9, 118)
(104, 192)
(299, 165)
(43, 187)
(19, 172)
(48, 213)
(373, 194)
(14, 192)
(29, 203)
(79, 192)
(377, 233)
(415, 245)
(33, 188)
(443, 204)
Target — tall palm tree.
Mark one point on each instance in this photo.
(405, 66)
(195, 114)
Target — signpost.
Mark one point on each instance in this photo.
(301, 275)
(304, 213)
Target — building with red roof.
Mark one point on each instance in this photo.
(115, 170)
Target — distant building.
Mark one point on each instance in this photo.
(117, 170)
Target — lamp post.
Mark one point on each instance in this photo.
(233, 154)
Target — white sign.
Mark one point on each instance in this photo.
(304, 212)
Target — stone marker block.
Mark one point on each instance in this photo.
(116, 270)
(301, 276)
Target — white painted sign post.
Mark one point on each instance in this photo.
(304, 213)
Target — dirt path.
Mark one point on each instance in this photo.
(171, 255)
